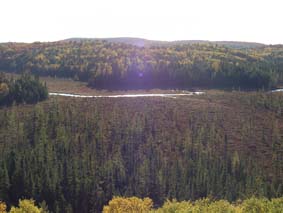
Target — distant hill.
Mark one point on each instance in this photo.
(141, 42)
(120, 63)
(126, 40)
(240, 44)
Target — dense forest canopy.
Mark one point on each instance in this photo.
(118, 65)
(76, 154)
(26, 89)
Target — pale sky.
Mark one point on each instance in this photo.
(51, 20)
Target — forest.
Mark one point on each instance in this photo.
(121, 65)
(26, 89)
(76, 154)
(216, 151)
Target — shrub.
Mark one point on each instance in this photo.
(256, 205)
(2, 207)
(26, 206)
(128, 205)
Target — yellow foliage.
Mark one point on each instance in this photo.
(276, 204)
(251, 205)
(26, 206)
(174, 206)
(255, 205)
(222, 206)
(2, 207)
(4, 89)
(40, 57)
(216, 65)
(128, 205)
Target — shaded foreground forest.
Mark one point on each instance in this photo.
(76, 154)
(110, 65)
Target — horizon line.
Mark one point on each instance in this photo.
(141, 38)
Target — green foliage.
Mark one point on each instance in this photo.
(76, 154)
(121, 66)
(26, 89)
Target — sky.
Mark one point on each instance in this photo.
(215, 20)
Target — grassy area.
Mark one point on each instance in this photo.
(76, 87)
(67, 85)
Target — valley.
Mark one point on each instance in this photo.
(91, 140)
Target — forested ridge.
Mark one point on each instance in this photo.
(76, 154)
(118, 65)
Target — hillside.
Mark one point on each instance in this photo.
(140, 42)
(117, 65)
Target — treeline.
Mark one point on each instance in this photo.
(185, 148)
(134, 204)
(25, 89)
(123, 66)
